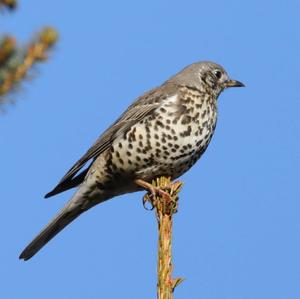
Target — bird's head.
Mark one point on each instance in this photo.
(206, 76)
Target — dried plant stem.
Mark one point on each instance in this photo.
(165, 205)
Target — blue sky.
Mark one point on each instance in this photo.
(237, 233)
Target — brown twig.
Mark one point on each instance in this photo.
(165, 207)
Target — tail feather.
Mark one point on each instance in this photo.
(65, 216)
(81, 201)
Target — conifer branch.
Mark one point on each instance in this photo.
(15, 62)
(10, 4)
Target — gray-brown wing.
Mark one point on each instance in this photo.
(142, 107)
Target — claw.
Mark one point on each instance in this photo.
(146, 199)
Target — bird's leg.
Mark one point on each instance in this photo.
(152, 191)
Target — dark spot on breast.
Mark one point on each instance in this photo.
(186, 119)
(188, 98)
(190, 110)
(187, 132)
(160, 124)
(196, 116)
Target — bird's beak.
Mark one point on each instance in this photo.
(234, 83)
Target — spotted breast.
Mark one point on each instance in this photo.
(170, 140)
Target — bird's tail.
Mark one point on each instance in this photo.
(71, 211)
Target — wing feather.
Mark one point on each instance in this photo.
(142, 107)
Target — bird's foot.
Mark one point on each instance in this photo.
(153, 192)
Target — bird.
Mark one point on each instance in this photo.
(162, 133)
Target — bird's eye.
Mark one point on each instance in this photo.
(218, 74)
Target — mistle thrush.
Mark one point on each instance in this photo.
(163, 133)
